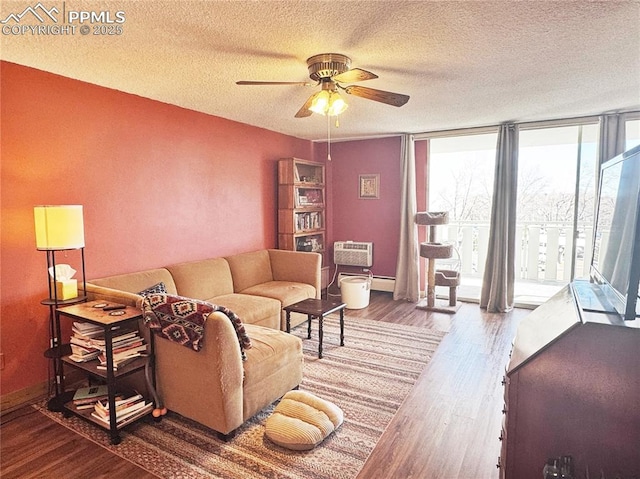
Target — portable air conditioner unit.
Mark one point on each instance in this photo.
(353, 253)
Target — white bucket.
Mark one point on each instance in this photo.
(355, 291)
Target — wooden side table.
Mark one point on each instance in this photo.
(111, 322)
(316, 308)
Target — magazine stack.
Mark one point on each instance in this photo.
(127, 409)
(82, 350)
(88, 343)
(126, 346)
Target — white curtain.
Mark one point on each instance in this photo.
(612, 132)
(407, 284)
(612, 142)
(497, 284)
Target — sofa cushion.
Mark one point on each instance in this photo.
(271, 351)
(284, 291)
(202, 279)
(134, 282)
(257, 310)
(249, 269)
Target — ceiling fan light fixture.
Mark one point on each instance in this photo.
(328, 102)
(320, 102)
(337, 104)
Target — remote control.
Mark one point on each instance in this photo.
(114, 306)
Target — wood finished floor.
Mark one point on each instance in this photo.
(447, 428)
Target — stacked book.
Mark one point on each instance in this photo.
(88, 343)
(126, 346)
(82, 349)
(127, 409)
(86, 398)
(308, 221)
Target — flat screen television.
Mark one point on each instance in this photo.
(615, 265)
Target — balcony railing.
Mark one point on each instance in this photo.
(543, 253)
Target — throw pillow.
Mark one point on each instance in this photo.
(156, 288)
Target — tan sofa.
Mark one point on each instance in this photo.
(208, 386)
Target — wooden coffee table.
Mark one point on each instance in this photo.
(317, 308)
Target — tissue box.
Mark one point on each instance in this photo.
(67, 289)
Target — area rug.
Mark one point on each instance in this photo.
(368, 378)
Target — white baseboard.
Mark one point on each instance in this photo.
(378, 283)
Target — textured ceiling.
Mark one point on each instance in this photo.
(464, 63)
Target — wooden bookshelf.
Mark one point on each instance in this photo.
(301, 205)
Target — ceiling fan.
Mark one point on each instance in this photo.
(330, 70)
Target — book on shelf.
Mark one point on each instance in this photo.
(76, 358)
(120, 346)
(125, 345)
(122, 404)
(145, 409)
(82, 342)
(123, 353)
(86, 330)
(81, 354)
(87, 406)
(120, 362)
(308, 221)
(126, 408)
(90, 394)
(121, 336)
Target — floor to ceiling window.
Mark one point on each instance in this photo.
(632, 133)
(556, 197)
(460, 181)
(557, 175)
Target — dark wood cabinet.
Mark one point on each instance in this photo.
(572, 387)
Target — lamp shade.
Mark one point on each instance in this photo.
(320, 102)
(59, 227)
(337, 104)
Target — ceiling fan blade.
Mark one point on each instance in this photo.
(245, 82)
(394, 99)
(304, 111)
(354, 75)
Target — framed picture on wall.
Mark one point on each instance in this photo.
(369, 187)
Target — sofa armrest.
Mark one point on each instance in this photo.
(205, 386)
(297, 266)
(102, 293)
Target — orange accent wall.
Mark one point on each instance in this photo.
(159, 185)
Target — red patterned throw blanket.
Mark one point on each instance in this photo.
(182, 320)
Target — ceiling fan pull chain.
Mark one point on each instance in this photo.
(329, 137)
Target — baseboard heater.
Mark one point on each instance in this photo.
(378, 283)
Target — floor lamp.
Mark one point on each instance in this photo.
(58, 228)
